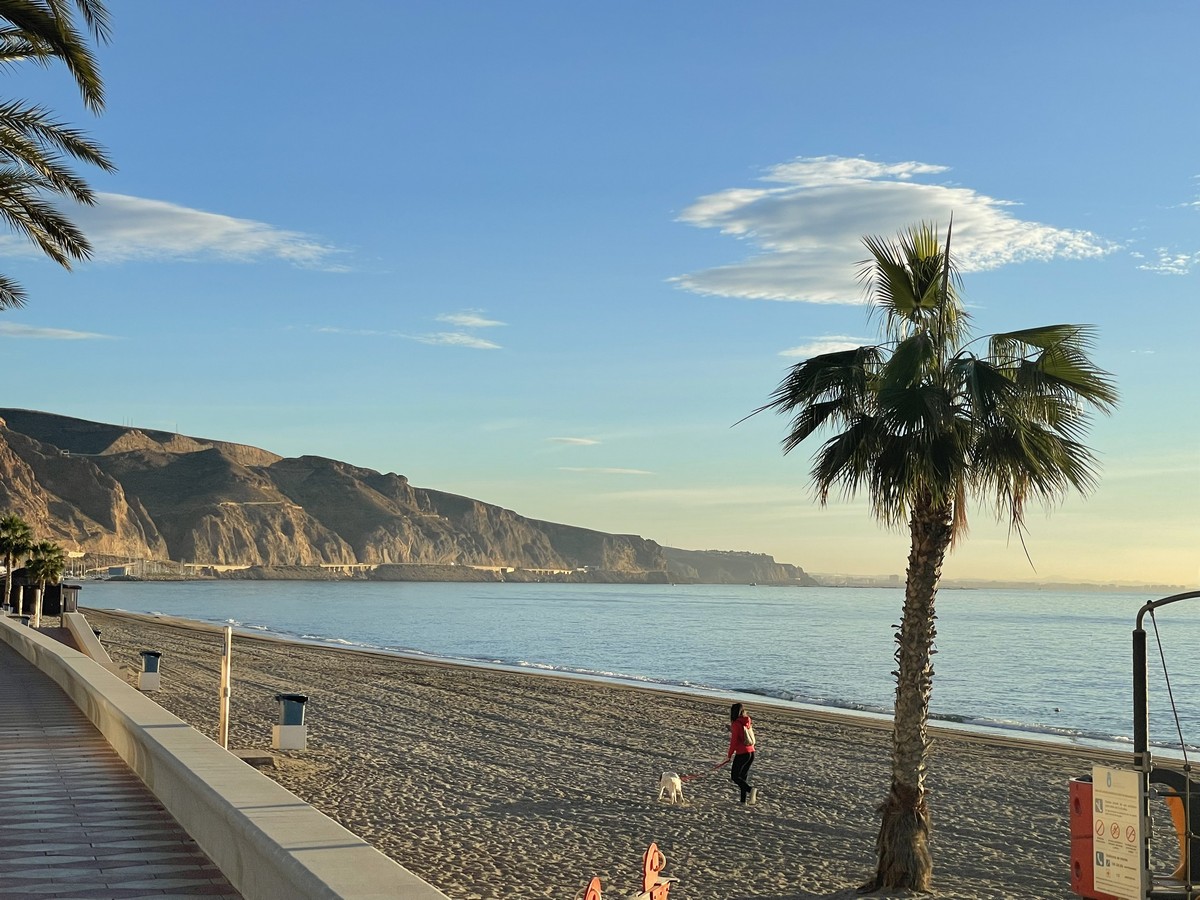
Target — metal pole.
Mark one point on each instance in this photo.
(223, 725)
(1141, 704)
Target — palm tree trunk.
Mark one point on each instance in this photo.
(903, 842)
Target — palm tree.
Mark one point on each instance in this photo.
(33, 144)
(923, 423)
(16, 539)
(46, 564)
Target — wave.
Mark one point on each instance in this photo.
(966, 722)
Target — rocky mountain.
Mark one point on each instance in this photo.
(134, 493)
(731, 567)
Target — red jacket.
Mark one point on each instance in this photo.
(737, 736)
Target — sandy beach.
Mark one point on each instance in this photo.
(496, 785)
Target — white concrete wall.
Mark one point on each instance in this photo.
(82, 632)
(269, 843)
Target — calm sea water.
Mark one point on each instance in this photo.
(1056, 665)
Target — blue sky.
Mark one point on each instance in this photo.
(546, 254)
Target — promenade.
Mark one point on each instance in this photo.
(75, 822)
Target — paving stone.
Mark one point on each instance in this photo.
(76, 823)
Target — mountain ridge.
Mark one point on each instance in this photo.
(138, 493)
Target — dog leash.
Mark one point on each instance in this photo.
(706, 772)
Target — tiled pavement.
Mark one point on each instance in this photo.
(75, 822)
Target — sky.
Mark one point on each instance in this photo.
(547, 254)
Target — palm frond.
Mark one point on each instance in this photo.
(923, 424)
(842, 374)
(24, 208)
(94, 13)
(984, 388)
(12, 295)
(44, 133)
(50, 26)
(845, 459)
(913, 284)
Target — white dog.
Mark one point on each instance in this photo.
(670, 786)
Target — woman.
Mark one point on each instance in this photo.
(741, 751)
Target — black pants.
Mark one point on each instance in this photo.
(739, 770)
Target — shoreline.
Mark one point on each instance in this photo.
(1111, 751)
(494, 784)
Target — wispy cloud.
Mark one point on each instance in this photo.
(357, 332)
(455, 339)
(828, 344)
(123, 228)
(439, 339)
(601, 470)
(574, 441)
(807, 225)
(8, 329)
(1172, 263)
(469, 318)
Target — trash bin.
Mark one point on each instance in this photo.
(24, 619)
(150, 679)
(291, 733)
(291, 708)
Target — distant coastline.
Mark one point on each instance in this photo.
(422, 572)
(499, 574)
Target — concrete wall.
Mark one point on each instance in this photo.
(269, 843)
(87, 641)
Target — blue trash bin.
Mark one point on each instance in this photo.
(291, 708)
(150, 661)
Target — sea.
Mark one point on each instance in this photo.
(1042, 665)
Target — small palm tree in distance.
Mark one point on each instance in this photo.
(45, 565)
(16, 539)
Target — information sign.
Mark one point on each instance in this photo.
(1117, 830)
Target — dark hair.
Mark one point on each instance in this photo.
(735, 712)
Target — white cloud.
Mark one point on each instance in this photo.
(440, 339)
(808, 225)
(469, 318)
(829, 344)
(603, 471)
(574, 441)
(122, 228)
(1172, 263)
(8, 329)
(358, 332)
(454, 339)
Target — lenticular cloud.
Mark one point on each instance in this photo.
(123, 228)
(808, 220)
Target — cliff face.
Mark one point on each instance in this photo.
(70, 501)
(156, 495)
(731, 567)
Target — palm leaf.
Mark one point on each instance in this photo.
(50, 27)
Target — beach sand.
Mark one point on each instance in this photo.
(492, 784)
